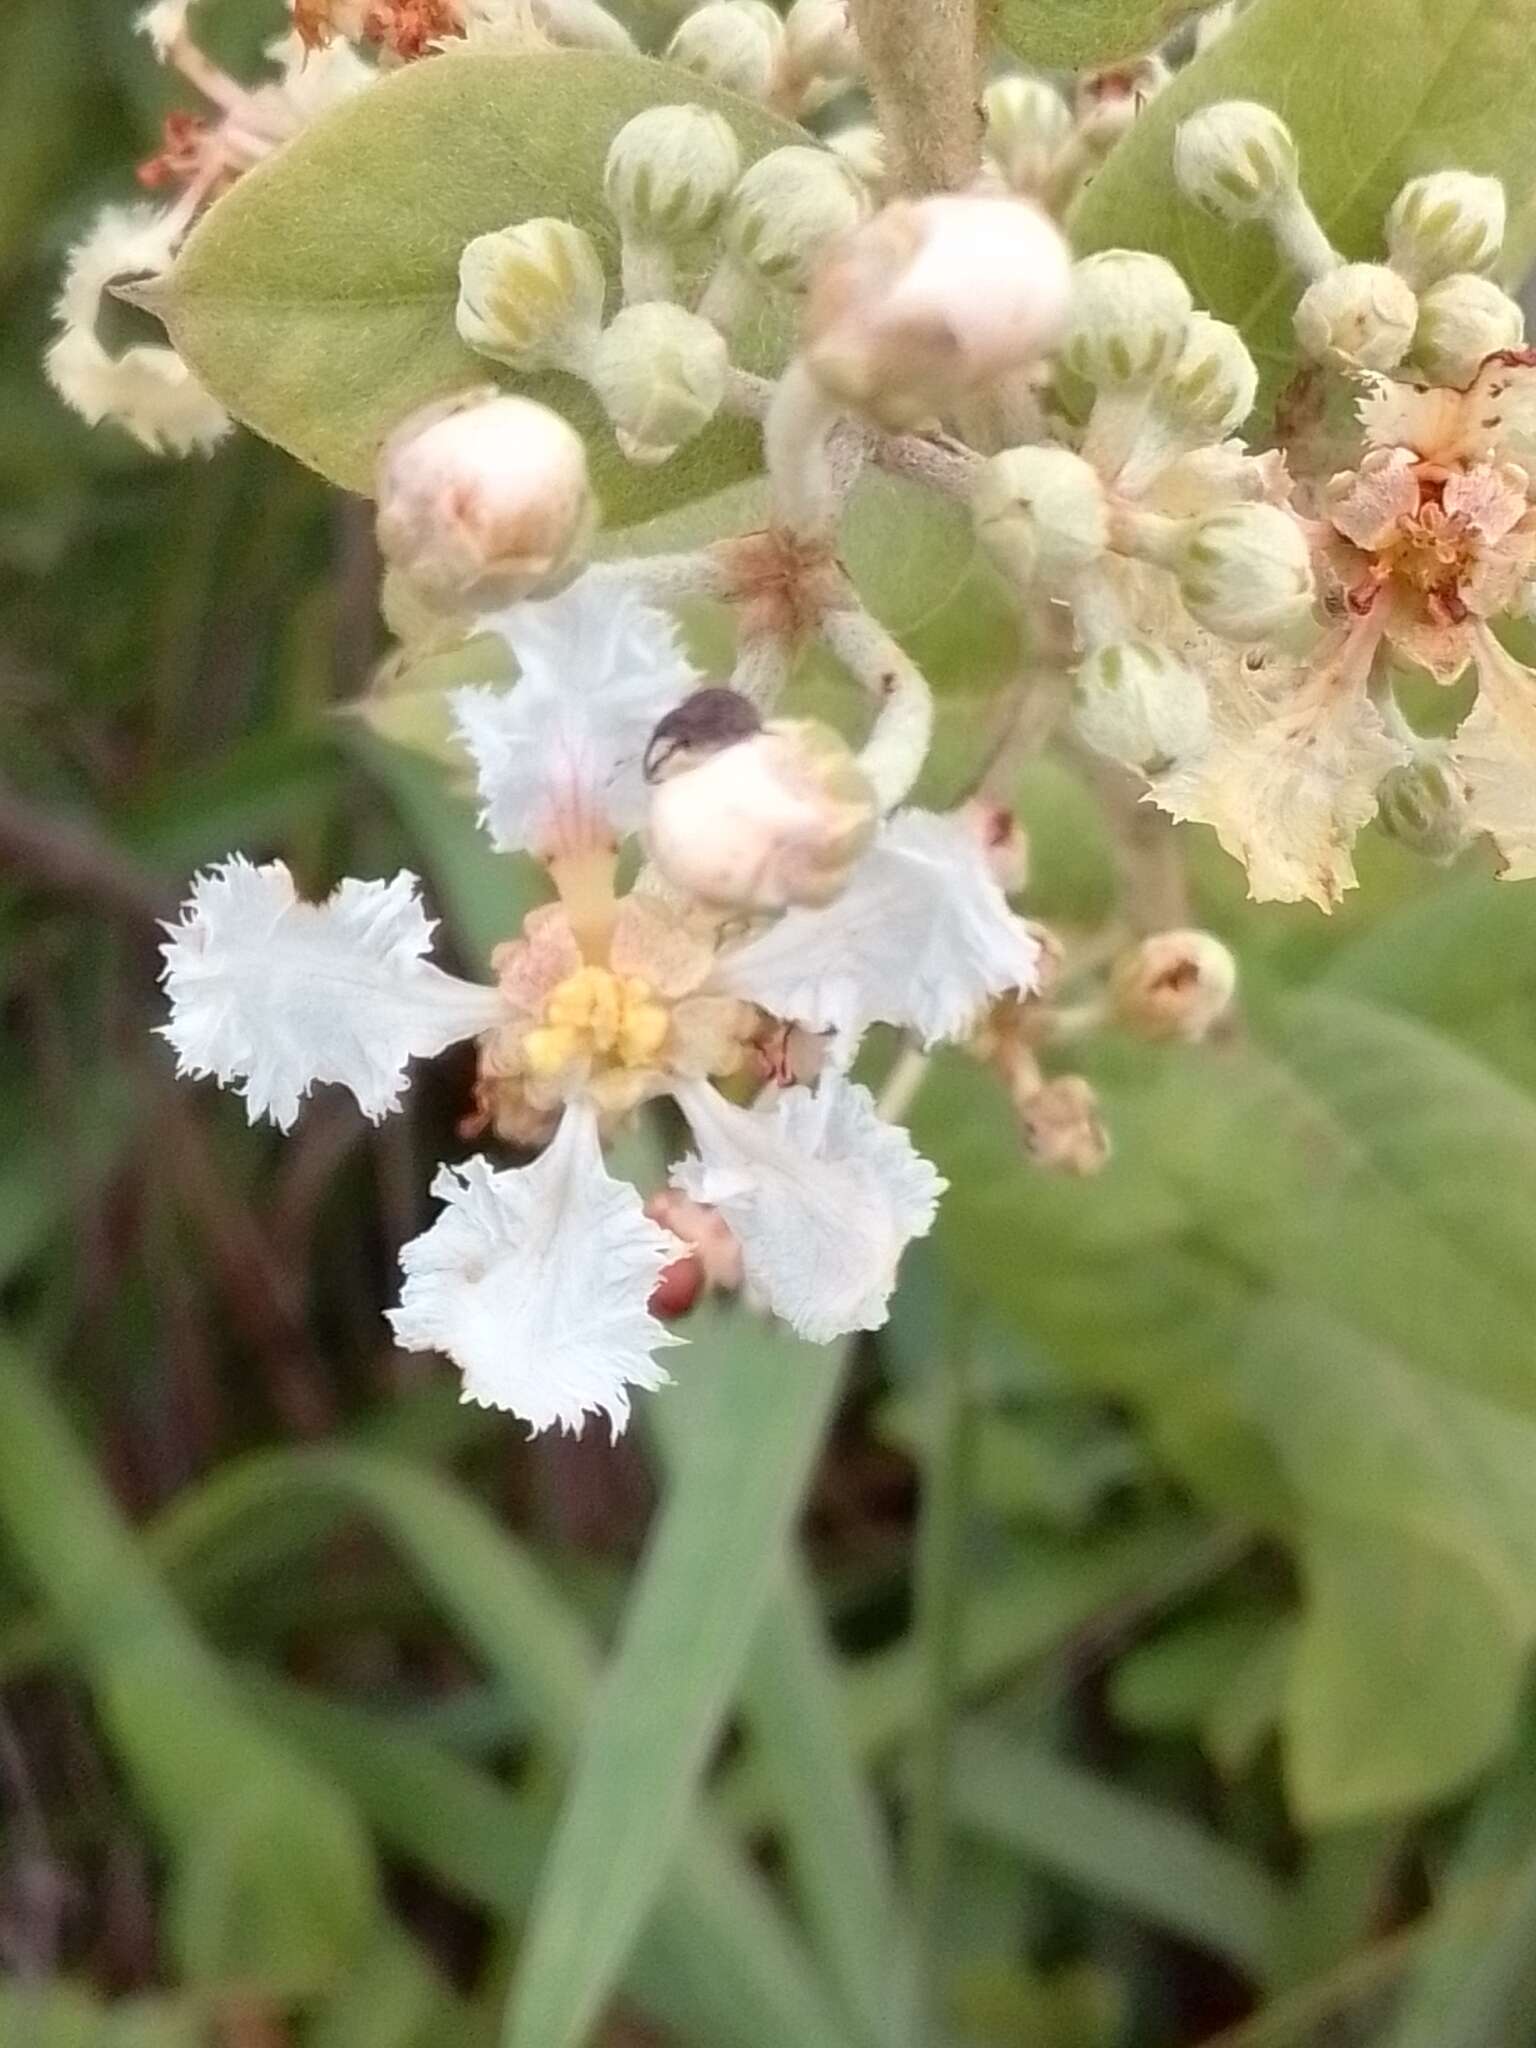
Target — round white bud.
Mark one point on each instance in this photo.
(1138, 703)
(1236, 159)
(737, 43)
(1110, 100)
(864, 149)
(1245, 573)
(660, 373)
(1463, 320)
(1028, 123)
(1448, 221)
(1423, 806)
(820, 40)
(483, 500)
(933, 298)
(1177, 984)
(1360, 316)
(1129, 320)
(532, 295)
(786, 211)
(1040, 513)
(670, 171)
(764, 822)
(1213, 384)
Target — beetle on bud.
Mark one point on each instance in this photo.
(532, 295)
(484, 500)
(660, 373)
(1177, 984)
(1463, 320)
(1360, 316)
(1448, 221)
(932, 299)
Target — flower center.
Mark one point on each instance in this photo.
(601, 1017)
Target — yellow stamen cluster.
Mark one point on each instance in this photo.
(599, 1016)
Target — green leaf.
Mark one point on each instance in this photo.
(316, 300)
(702, 1587)
(1115, 1845)
(1376, 92)
(1072, 34)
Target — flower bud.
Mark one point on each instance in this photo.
(787, 209)
(1424, 807)
(1463, 320)
(532, 295)
(1360, 316)
(863, 148)
(484, 500)
(1109, 101)
(1173, 985)
(1245, 573)
(736, 43)
(1063, 1127)
(660, 373)
(1212, 386)
(1002, 839)
(1040, 513)
(1028, 123)
(1136, 702)
(933, 298)
(1236, 159)
(1129, 320)
(670, 171)
(761, 822)
(820, 40)
(1449, 221)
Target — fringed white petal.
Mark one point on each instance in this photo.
(921, 937)
(823, 1195)
(558, 755)
(273, 994)
(536, 1283)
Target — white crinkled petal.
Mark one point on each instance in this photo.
(558, 755)
(165, 23)
(921, 937)
(823, 1195)
(536, 1282)
(275, 994)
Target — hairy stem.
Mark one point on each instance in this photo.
(925, 70)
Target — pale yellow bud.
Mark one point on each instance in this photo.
(821, 41)
(932, 299)
(1040, 513)
(1463, 320)
(1213, 384)
(532, 295)
(772, 820)
(660, 373)
(1136, 702)
(1028, 123)
(670, 171)
(1176, 984)
(1449, 221)
(1129, 320)
(1360, 316)
(1245, 573)
(1236, 159)
(737, 43)
(484, 500)
(787, 210)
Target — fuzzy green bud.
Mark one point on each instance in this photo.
(1129, 319)
(1463, 320)
(737, 43)
(1448, 221)
(1245, 573)
(1423, 807)
(660, 373)
(1213, 384)
(1028, 123)
(1236, 159)
(1138, 703)
(787, 210)
(1360, 316)
(532, 295)
(670, 171)
(1040, 513)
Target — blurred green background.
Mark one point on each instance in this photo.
(1228, 1458)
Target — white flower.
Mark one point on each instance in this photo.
(148, 389)
(535, 1282)
(165, 23)
(921, 937)
(276, 994)
(823, 1196)
(558, 755)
